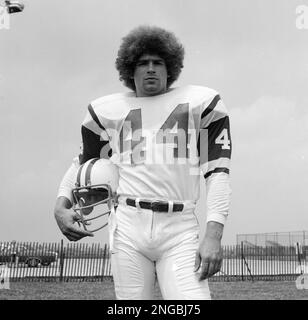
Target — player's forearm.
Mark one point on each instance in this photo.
(62, 203)
(68, 182)
(214, 230)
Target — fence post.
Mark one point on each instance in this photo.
(242, 260)
(104, 260)
(298, 251)
(61, 260)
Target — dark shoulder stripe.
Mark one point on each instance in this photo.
(216, 171)
(94, 116)
(88, 172)
(219, 123)
(211, 106)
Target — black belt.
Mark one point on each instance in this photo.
(158, 206)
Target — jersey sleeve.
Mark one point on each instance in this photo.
(215, 148)
(218, 197)
(214, 142)
(95, 139)
(68, 181)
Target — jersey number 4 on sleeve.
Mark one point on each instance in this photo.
(224, 140)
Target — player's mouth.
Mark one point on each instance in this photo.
(151, 79)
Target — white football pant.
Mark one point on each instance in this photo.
(145, 244)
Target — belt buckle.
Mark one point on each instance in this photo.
(155, 205)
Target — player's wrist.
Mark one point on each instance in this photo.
(214, 230)
(62, 204)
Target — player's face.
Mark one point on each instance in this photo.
(150, 76)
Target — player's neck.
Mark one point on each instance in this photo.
(153, 95)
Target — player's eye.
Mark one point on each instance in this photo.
(141, 63)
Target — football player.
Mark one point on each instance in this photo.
(161, 139)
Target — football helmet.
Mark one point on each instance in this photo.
(96, 185)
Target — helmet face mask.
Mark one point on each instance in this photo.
(96, 199)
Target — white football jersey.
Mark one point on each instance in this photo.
(161, 143)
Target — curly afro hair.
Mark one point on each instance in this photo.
(149, 40)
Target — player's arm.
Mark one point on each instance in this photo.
(209, 254)
(93, 146)
(215, 148)
(65, 217)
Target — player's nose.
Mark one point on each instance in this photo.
(151, 67)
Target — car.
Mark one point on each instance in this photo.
(32, 256)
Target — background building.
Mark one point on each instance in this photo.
(273, 239)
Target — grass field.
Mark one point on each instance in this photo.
(261, 290)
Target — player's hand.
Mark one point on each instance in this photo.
(66, 220)
(208, 258)
(209, 255)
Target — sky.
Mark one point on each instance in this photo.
(57, 56)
